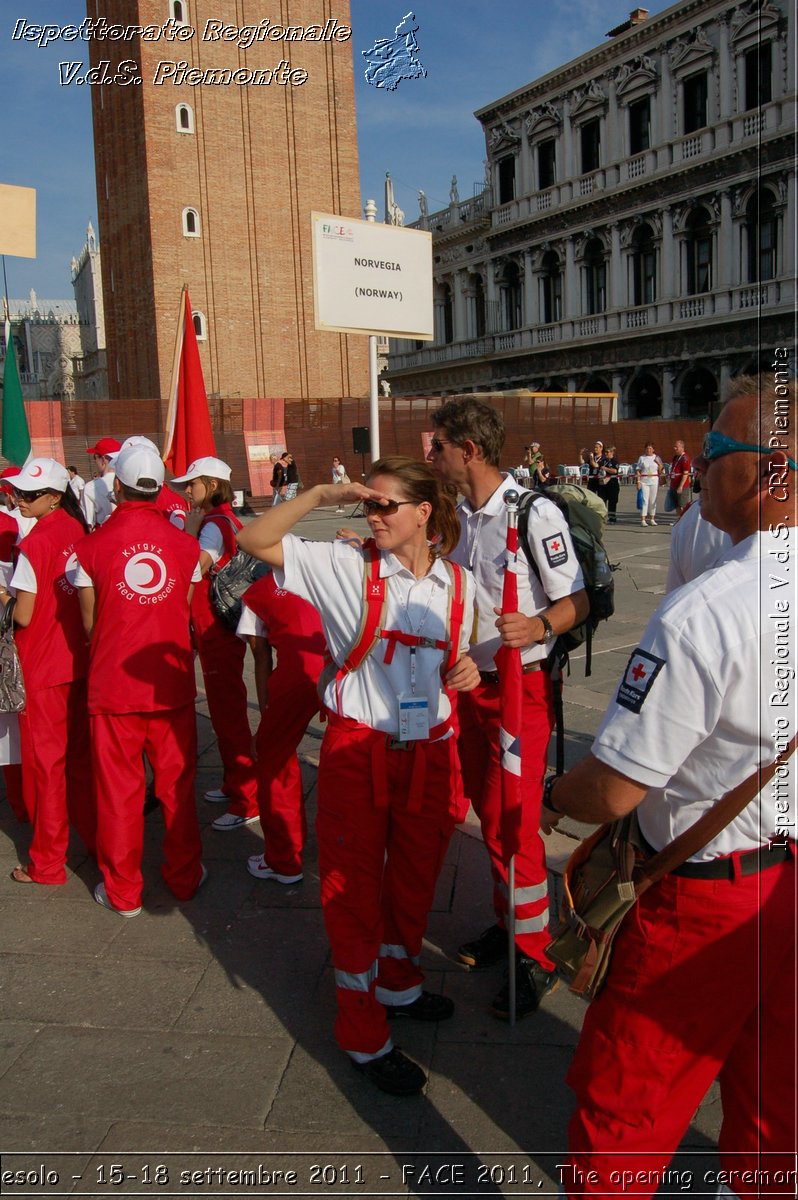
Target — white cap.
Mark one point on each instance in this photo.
(140, 467)
(213, 468)
(40, 474)
(139, 440)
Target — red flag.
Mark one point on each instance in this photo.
(508, 664)
(188, 422)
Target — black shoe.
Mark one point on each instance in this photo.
(394, 1072)
(430, 1006)
(489, 948)
(532, 983)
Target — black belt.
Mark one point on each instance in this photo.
(526, 669)
(750, 863)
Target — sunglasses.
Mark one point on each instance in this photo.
(716, 445)
(20, 495)
(437, 445)
(384, 508)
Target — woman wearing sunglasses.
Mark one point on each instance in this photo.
(53, 651)
(397, 618)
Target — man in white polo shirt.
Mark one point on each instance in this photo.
(469, 436)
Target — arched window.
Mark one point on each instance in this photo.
(761, 230)
(179, 11)
(644, 266)
(699, 253)
(200, 325)
(510, 290)
(184, 118)
(595, 278)
(552, 288)
(191, 222)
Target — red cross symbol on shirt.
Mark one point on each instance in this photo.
(639, 672)
(555, 545)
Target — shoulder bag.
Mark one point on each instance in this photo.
(609, 871)
(12, 684)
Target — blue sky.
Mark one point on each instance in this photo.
(423, 132)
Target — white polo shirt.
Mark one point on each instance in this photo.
(482, 548)
(696, 545)
(699, 701)
(97, 500)
(330, 576)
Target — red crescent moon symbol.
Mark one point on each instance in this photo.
(35, 471)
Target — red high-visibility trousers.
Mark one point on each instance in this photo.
(12, 777)
(221, 656)
(701, 986)
(383, 826)
(169, 739)
(479, 718)
(57, 784)
(292, 706)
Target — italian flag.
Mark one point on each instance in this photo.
(16, 438)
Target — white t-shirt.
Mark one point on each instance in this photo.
(24, 577)
(697, 705)
(97, 500)
(330, 576)
(211, 541)
(482, 548)
(649, 467)
(696, 546)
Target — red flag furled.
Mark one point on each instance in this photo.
(188, 422)
(508, 664)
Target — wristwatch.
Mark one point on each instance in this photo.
(547, 790)
(549, 634)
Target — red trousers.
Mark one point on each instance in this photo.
(702, 985)
(292, 706)
(221, 656)
(478, 715)
(57, 784)
(169, 739)
(12, 776)
(382, 842)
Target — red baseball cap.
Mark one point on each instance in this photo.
(105, 446)
(8, 473)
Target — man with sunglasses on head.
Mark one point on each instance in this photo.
(469, 436)
(702, 981)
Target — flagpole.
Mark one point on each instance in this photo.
(511, 502)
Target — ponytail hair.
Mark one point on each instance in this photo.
(421, 485)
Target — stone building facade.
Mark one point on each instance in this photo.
(210, 181)
(91, 377)
(636, 231)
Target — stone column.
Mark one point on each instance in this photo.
(725, 67)
(571, 299)
(531, 293)
(459, 284)
(617, 290)
(665, 109)
(666, 288)
(728, 270)
(568, 165)
(668, 400)
(614, 116)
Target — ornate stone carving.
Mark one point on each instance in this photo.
(545, 117)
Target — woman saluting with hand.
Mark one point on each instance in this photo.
(396, 618)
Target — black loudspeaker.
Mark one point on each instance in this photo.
(361, 439)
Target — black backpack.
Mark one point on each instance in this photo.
(586, 516)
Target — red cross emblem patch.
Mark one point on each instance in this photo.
(555, 550)
(641, 671)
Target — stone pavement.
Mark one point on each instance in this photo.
(173, 1053)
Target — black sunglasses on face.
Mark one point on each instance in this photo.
(437, 445)
(29, 495)
(384, 508)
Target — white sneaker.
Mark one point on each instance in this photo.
(232, 821)
(652, 521)
(217, 796)
(101, 896)
(257, 866)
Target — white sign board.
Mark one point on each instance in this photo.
(17, 220)
(371, 278)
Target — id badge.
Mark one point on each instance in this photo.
(413, 718)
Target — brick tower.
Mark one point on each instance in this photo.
(207, 172)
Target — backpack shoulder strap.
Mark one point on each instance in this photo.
(454, 621)
(372, 617)
(228, 528)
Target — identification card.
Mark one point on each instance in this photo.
(413, 718)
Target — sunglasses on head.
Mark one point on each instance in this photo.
(21, 495)
(716, 445)
(437, 444)
(385, 508)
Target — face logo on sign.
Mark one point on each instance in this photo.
(145, 573)
(641, 671)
